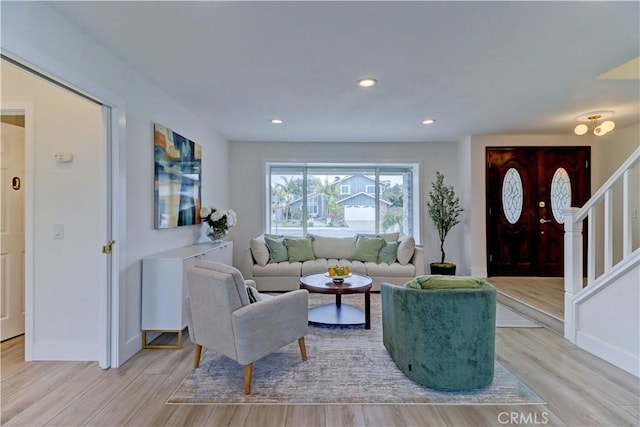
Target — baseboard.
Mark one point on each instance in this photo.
(550, 322)
(65, 352)
(616, 356)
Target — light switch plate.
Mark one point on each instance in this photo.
(58, 231)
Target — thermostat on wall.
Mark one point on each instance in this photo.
(64, 157)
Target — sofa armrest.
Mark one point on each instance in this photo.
(418, 260)
(265, 326)
(247, 263)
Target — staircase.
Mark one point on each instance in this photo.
(602, 310)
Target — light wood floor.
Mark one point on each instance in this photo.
(545, 294)
(581, 390)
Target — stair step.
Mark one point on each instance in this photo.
(547, 320)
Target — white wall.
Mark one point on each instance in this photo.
(248, 184)
(35, 30)
(603, 150)
(611, 151)
(66, 194)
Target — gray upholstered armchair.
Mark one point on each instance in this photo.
(221, 317)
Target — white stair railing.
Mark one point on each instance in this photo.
(573, 241)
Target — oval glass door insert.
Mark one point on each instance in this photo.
(560, 193)
(512, 196)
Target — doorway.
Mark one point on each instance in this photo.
(12, 301)
(69, 283)
(526, 190)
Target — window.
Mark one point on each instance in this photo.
(342, 200)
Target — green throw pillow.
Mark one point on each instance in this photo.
(277, 249)
(388, 253)
(299, 249)
(434, 282)
(367, 249)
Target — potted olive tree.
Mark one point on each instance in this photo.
(444, 210)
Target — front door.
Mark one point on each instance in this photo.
(527, 188)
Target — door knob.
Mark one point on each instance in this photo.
(543, 221)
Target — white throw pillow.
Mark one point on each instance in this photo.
(259, 250)
(405, 249)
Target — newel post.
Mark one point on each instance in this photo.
(572, 269)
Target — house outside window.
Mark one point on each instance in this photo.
(342, 199)
(312, 205)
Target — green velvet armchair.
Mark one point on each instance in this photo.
(441, 338)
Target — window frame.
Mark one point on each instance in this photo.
(379, 169)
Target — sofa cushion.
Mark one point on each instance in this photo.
(278, 269)
(390, 270)
(406, 249)
(277, 249)
(259, 250)
(332, 247)
(318, 265)
(388, 253)
(435, 282)
(299, 249)
(367, 248)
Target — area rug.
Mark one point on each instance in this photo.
(346, 365)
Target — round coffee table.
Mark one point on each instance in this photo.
(338, 313)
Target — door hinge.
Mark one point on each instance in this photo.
(108, 248)
(586, 164)
(490, 258)
(489, 210)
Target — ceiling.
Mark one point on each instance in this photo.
(475, 67)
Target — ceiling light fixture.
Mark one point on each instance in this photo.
(428, 121)
(277, 121)
(593, 118)
(367, 82)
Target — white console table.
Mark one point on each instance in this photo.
(164, 287)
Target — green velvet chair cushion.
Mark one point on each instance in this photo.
(446, 282)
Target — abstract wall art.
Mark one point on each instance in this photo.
(178, 179)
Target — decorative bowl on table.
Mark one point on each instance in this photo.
(338, 274)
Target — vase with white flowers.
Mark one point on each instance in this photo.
(219, 222)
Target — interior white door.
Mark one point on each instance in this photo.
(12, 231)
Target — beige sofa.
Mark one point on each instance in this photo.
(284, 275)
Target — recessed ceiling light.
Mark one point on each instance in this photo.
(276, 121)
(428, 121)
(367, 82)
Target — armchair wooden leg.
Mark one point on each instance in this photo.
(197, 351)
(248, 370)
(303, 348)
